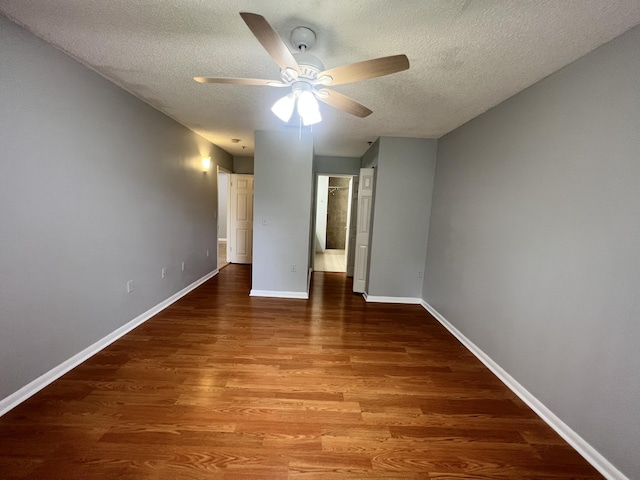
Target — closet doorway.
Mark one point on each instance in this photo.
(333, 214)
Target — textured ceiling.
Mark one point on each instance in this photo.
(466, 56)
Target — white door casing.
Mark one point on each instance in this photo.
(240, 241)
(363, 229)
(223, 210)
(322, 196)
(351, 225)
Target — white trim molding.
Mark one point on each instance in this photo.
(278, 294)
(379, 299)
(590, 454)
(16, 398)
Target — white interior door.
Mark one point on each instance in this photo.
(363, 229)
(321, 212)
(352, 213)
(240, 234)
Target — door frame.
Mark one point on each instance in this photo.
(350, 219)
(228, 173)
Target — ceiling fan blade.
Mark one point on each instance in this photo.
(270, 40)
(344, 103)
(377, 67)
(239, 81)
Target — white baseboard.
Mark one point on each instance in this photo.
(590, 454)
(278, 294)
(380, 299)
(222, 240)
(45, 379)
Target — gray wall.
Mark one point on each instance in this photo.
(96, 188)
(283, 197)
(336, 165)
(243, 165)
(403, 190)
(534, 251)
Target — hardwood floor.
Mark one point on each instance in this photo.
(223, 385)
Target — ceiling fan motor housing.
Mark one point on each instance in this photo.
(310, 65)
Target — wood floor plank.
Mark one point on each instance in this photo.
(221, 385)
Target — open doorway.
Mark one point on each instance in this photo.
(333, 206)
(223, 215)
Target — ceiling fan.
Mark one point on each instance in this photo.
(306, 76)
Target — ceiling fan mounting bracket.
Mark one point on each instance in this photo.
(303, 38)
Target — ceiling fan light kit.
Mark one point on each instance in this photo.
(308, 107)
(283, 108)
(305, 74)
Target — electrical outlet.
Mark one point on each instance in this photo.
(130, 286)
(164, 272)
(183, 266)
(293, 267)
(420, 274)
